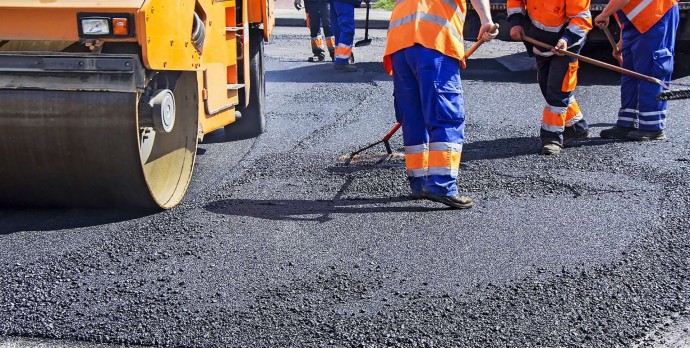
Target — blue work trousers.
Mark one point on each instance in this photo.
(429, 105)
(343, 24)
(649, 53)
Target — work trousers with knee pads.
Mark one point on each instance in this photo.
(343, 23)
(319, 16)
(557, 76)
(429, 105)
(649, 53)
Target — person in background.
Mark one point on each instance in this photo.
(563, 24)
(343, 22)
(318, 16)
(424, 53)
(648, 36)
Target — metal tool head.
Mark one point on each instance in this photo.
(674, 94)
(361, 43)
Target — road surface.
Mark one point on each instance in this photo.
(279, 244)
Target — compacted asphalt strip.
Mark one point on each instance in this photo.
(278, 244)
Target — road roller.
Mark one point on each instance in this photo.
(103, 102)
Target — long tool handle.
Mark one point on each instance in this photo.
(392, 131)
(598, 63)
(478, 43)
(612, 41)
(366, 23)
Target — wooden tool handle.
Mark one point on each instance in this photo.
(612, 41)
(479, 42)
(598, 63)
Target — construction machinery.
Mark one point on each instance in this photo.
(102, 102)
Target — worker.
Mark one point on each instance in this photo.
(424, 52)
(647, 43)
(343, 22)
(318, 15)
(563, 24)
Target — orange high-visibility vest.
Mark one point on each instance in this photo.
(552, 15)
(643, 14)
(434, 24)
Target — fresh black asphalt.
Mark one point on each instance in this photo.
(278, 244)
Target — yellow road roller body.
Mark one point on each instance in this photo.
(102, 102)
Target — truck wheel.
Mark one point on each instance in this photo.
(253, 120)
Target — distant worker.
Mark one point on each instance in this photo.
(424, 54)
(563, 24)
(343, 23)
(647, 42)
(318, 15)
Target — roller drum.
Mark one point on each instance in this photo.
(65, 145)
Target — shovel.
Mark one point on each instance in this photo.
(667, 94)
(367, 40)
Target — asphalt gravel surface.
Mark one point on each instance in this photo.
(279, 244)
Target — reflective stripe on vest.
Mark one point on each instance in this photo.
(552, 15)
(434, 24)
(421, 16)
(643, 14)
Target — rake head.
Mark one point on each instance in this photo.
(674, 94)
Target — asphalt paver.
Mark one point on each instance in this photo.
(280, 244)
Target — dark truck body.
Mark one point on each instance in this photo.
(498, 12)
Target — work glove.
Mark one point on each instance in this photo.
(298, 4)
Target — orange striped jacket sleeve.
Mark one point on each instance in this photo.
(580, 21)
(516, 11)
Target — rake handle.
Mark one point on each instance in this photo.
(478, 43)
(598, 63)
(612, 41)
(392, 131)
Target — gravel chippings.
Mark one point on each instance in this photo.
(280, 245)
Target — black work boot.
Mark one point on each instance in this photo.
(571, 134)
(616, 132)
(417, 195)
(319, 57)
(551, 149)
(551, 142)
(345, 67)
(455, 202)
(641, 135)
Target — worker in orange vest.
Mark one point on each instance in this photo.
(647, 42)
(318, 15)
(424, 52)
(343, 23)
(563, 24)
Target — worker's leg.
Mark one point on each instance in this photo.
(408, 111)
(314, 23)
(561, 108)
(553, 121)
(346, 22)
(654, 56)
(575, 125)
(443, 110)
(325, 14)
(335, 28)
(629, 111)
